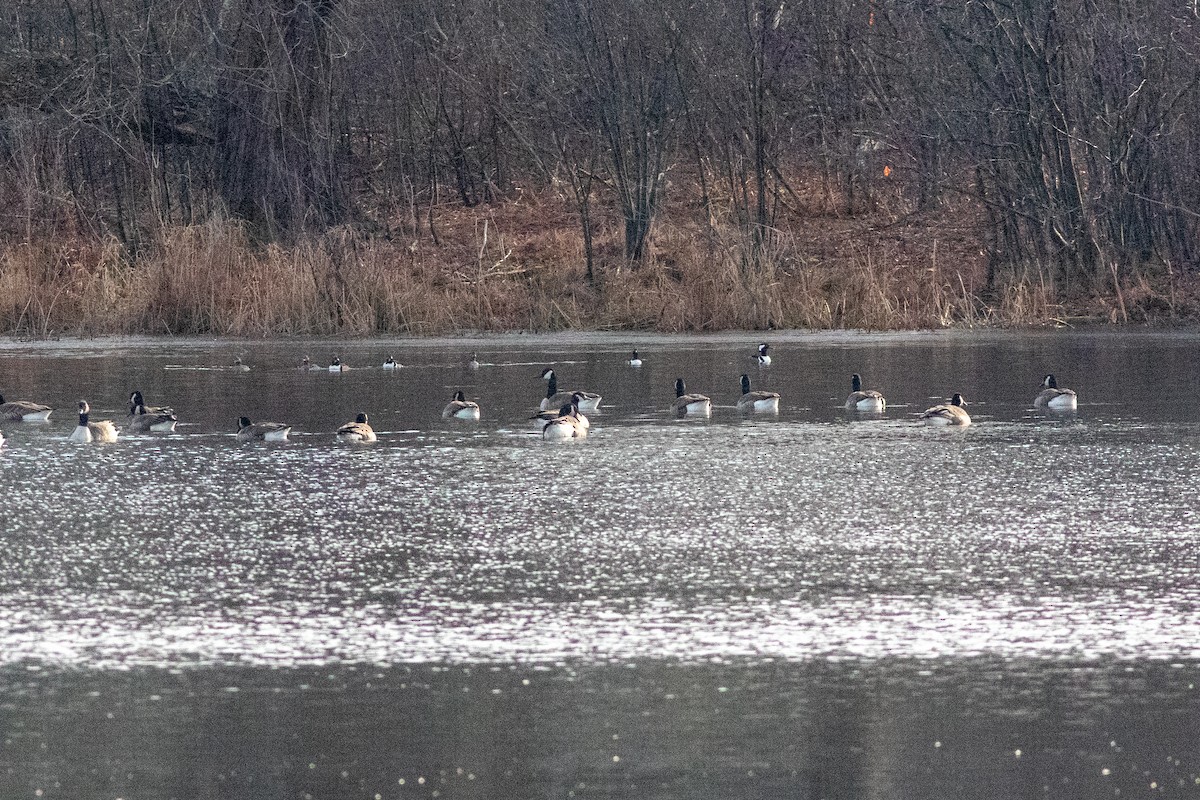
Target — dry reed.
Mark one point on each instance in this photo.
(494, 269)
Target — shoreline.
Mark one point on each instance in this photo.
(617, 341)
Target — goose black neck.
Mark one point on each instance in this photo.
(551, 385)
(679, 387)
(855, 383)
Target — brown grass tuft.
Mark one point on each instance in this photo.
(521, 266)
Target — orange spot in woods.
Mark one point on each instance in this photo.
(887, 172)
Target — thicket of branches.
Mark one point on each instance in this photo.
(1071, 122)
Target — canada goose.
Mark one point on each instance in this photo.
(1055, 398)
(307, 365)
(763, 358)
(685, 404)
(952, 414)
(142, 417)
(159, 421)
(238, 366)
(461, 408)
(542, 417)
(588, 401)
(391, 363)
(136, 399)
(580, 419)
(860, 400)
(262, 431)
(358, 431)
(23, 411)
(635, 360)
(473, 363)
(337, 366)
(762, 402)
(566, 425)
(85, 431)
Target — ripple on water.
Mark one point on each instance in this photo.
(764, 539)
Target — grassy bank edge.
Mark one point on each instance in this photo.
(492, 272)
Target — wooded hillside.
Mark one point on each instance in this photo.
(537, 163)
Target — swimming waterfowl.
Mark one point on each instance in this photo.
(473, 363)
(337, 366)
(589, 401)
(1053, 397)
(951, 414)
(391, 363)
(358, 431)
(763, 358)
(23, 411)
(261, 431)
(635, 360)
(758, 401)
(694, 404)
(159, 421)
(460, 408)
(238, 366)
(566, 425)
(542, 417)
(580, 419)
(136, 399)
(307, 365)
(143, 418)
(87, 431)
(864, 399)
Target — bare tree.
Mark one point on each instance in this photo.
(625, 52)
(1069, 123)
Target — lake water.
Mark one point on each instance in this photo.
(808, 605)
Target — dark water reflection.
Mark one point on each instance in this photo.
(808, 605)
(964, 729)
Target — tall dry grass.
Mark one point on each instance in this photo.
(521, 267)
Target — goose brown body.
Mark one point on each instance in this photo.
(586, 401)
(1055, 398)
(864, 399)
(757, 401)
(692, 404)
(23, 411)
(359, 430)
(567, 425)
(952, 413)
(461, 408)
(89, 430)
(262, 431)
